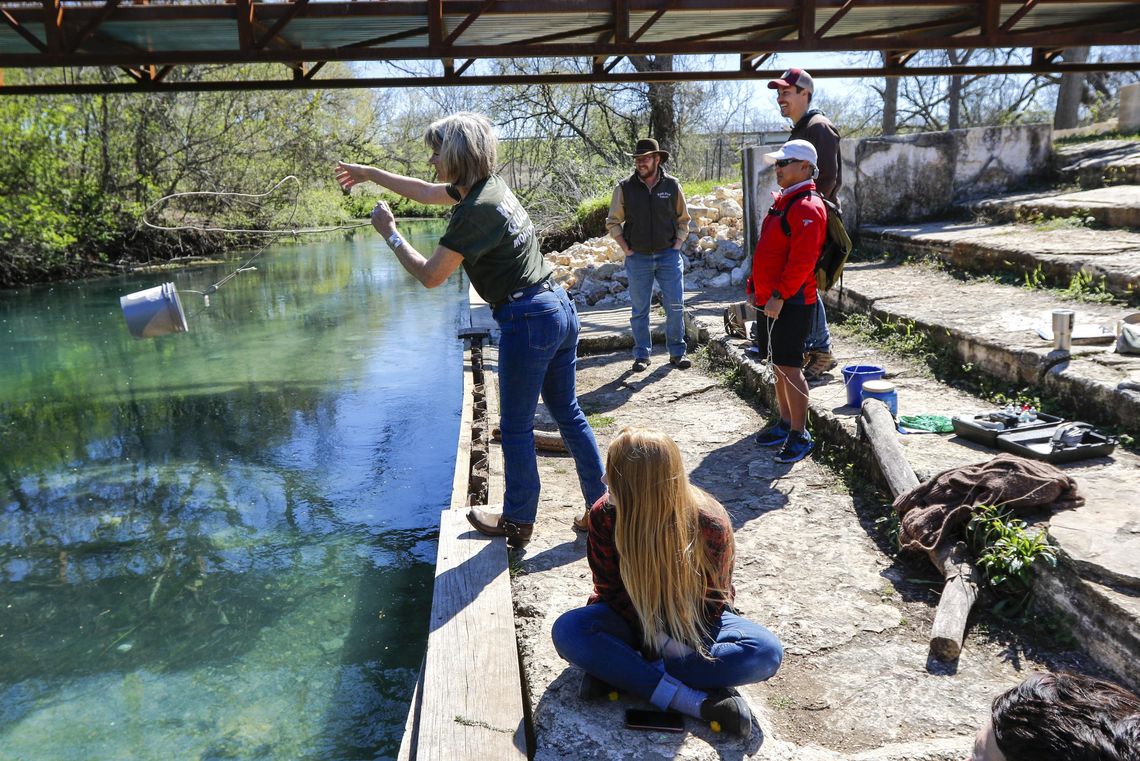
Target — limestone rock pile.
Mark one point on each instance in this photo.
(713, 255)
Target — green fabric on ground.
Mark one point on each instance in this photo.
(932, 423)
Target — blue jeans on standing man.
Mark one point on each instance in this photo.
(819, 337)
(599, 641)
(665, 267)
(538, 353)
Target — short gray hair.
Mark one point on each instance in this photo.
(467, 147)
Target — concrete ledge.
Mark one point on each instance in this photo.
(1099, 163)
(993, 327)
(1056, 255)
(1117, 206)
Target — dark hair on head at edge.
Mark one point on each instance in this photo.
(1068, 717)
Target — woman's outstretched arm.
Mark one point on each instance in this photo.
(434, 193)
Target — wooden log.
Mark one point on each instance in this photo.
(878, 427)
(961, 588)
(545, 441)
(958, 596)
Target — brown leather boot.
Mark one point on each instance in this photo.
(494, 524)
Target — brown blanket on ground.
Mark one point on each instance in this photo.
(934, 512)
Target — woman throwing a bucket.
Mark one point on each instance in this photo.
(492, 236)
(660, 623)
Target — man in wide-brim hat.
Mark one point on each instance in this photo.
(650, 221)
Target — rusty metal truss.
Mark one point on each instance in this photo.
(144, 42)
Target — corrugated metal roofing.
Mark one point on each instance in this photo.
(167, 32)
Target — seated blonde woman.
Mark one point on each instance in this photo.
(660, 623)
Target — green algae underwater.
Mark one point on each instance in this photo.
(220, 544)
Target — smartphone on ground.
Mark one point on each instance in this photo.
(661, 721)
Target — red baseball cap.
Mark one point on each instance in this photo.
(793, 78)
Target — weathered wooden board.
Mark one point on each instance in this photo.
(463, 448)
(496, 484)
(472, 696)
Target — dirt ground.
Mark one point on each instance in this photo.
(856, 682)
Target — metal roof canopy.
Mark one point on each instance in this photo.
(146, 41)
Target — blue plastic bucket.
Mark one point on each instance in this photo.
(854, 376)
(154, 312)
(884, 391)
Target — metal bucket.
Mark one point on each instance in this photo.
(154, 312)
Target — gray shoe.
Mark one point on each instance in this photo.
(818, 364)
(640, 364)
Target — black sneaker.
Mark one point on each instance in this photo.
(727, 713)
(593, 688)
(681, 363)
(640, 364)
(775, 434)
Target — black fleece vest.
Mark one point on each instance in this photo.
(650, 216)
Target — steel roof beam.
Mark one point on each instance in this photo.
(1038, 67)
(92, 25)
(554, 37)
(835, 18)
(807, 20)
(1019, 14)
(652, 20)
(53, 25)
(274, 31)
(451, 38)
(1066, 36)
(621, 20)
(17, 27)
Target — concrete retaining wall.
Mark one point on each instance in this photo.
(919, 176)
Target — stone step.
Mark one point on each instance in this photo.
(1116, 206)
(994, 328)
(1096, 586)
(1053, 257)
(1098, 163)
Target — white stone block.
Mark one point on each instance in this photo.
(1129, 119)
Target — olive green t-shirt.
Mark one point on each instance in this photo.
(496, 238)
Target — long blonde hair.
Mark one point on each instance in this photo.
(664, 566)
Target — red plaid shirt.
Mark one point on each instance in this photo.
(605, 563)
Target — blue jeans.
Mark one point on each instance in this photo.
(538, 354)
(599, 641)
(664, 266)
(819, 337)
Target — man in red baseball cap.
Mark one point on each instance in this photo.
(795, 89)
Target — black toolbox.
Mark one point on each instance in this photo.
(1038, 444)
(974, 427)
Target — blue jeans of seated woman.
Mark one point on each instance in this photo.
(599, 641)
(664, 266)
(538, 349)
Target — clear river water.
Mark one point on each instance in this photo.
(220, 544)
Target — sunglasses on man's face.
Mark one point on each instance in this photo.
(785, 162)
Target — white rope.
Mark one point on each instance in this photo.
(246, 231)
(275, 234)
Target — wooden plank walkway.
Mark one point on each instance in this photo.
(468, 702)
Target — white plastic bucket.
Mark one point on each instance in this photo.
(154, 312)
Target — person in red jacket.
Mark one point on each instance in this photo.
(782, 286)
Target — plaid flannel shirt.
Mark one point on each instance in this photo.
(605, 564)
